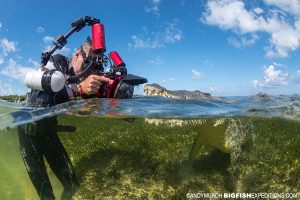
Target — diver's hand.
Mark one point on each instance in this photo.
(91, 84)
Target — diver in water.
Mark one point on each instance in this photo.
(39, 140)
(60, 80)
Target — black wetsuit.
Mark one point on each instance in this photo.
(40, 140)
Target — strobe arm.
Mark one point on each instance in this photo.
(61, 40)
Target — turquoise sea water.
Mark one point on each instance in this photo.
(287, 107)
(159, 148)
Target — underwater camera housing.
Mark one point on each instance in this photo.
(121, 84)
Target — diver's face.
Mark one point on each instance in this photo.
(77, 62)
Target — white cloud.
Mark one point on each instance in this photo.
(213, 90)
(6, 89)
(258, 11)
(33, 62)
(15, 71)
(243, 41)
(283, 40)
(1, 60)
(272, 78)
(139, 43)
(48, 39)
(154, 8)
(207, 63)
(284, 34)
(157, 61)
(231, 14)
(279, 65)
(40, 29)
(257, 83)
(8, 46)
(170, 33)
(64, 51)
(296, 76)
(196, 74)
(290, 6)
(168, 80)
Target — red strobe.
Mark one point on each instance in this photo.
(117, 60)
(98, 36)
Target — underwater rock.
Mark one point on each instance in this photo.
(157, 90)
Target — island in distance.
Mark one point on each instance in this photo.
(155, 89)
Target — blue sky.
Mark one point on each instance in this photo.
(224, 47)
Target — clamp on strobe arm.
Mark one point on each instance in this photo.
(91, 20)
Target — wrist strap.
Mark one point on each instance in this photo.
(71, 92)
(75, 90)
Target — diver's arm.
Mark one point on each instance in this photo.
(88, 86)
(91, 84)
